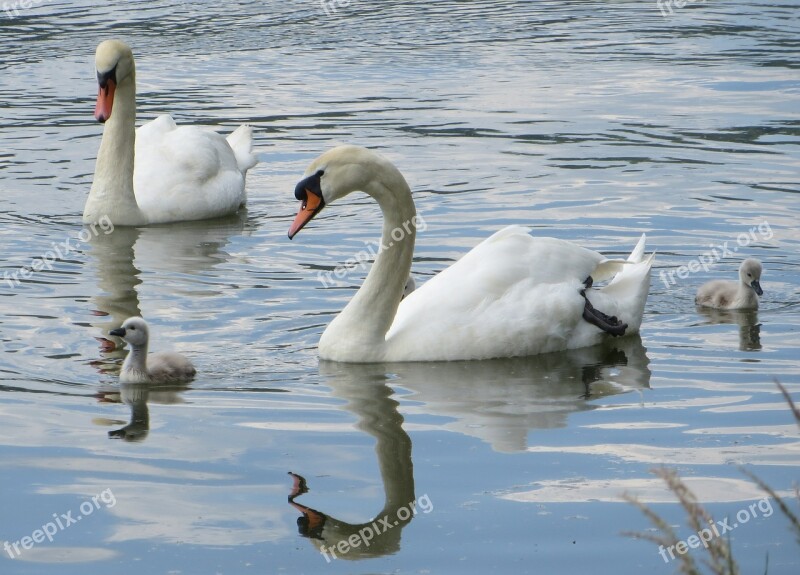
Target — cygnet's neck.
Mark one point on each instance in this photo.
(746, 296)
(112, 194)
(136, 362)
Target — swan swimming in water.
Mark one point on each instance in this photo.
(159, 173)
(512, 295)
(139, 367)
(730, 294)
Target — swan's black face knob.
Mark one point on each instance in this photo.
(107, 84)
(309, 192)
(103, 79)
(310, 184)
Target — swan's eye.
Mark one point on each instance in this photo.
(320, 173)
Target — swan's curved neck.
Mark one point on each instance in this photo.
(363, 323)
(112, 193)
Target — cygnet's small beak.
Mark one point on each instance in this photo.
(756, 287)
(309, 192)
(107, 85)
(119, 332)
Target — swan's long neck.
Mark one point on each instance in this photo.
(112, 194)
(363, 323)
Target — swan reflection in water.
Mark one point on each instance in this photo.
(498, 401)
(747, 320)
(136, 396)
(120, 257)
(370, 399)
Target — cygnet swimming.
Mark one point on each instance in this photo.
(139, 367)
(730, 294)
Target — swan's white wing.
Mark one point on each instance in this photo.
(513, 294)
(185, 173)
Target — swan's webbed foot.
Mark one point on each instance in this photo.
(608, 323)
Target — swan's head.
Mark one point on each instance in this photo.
(114, 63)
(335, 174)
(750, 274)
(134, 331)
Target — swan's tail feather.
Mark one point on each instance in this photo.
(632, 285)
(608, 269)
(241, 141)
(638, 251)
(637, 264)
(617, 269)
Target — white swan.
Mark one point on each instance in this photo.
(139, 367)
(178, 174)
(511, 295)
(730, 294)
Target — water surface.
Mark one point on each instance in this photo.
(593, 122)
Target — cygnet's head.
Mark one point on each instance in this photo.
(750, 274)
(134, 331)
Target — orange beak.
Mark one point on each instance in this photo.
(105, 101)
(309, 208)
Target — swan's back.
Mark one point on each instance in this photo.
(511, 295)
(189, 173)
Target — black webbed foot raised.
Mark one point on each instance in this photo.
(608, 323)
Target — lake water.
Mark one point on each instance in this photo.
(588, 121)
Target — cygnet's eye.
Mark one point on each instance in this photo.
(132, 328)
(749, 275)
